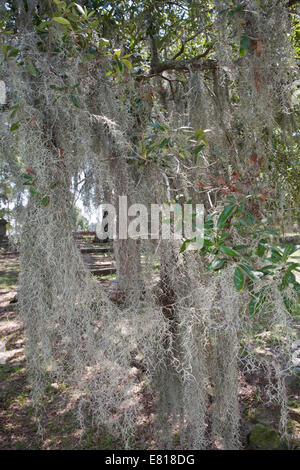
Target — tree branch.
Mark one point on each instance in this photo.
(181, 65)
(183, 43)
(154, 51)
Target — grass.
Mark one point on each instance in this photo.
(7, 281)
(8, 275)
(18, 429)
(104, 276)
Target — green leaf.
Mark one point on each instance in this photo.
(271, 232)
(288, 251)
(229, 251)
(297, 287)
(117, 52)
(31, 69)
(244, 45)
(103, 42)
(184, 246)
(261, 247)
(14, 126)
(163, 143)
(199, 134)
(155, 125)
(61, 20)
(269, 269)
(288, 278)
(44, 201)
(256, 302)
(227, 212)
(74, 100)
(80, 9)
(293, 266)
(239, 278)
(218, 154)
(207, 242)
(208, 224)
(253, 306)
(34, 192)
(197, 150)
(119, 64)
(240, 247)
(127, 63)
(13, 52)
(43, 26)
(250, 272)
(276, 254)
(14, 110)
(26, 176)
(288, 303)
(216, 264)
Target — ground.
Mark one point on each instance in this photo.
(18, 425)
